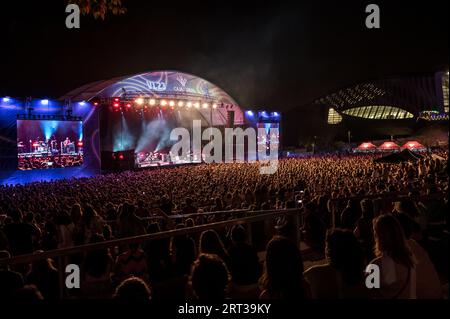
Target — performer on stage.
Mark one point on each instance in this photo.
(66, 142)
(53, 145)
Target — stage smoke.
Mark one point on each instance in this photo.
(155, 136)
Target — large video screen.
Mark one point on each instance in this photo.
(43, 144)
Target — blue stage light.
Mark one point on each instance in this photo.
(6, 99)
(82, 103)
(275, 114)
(249, 113)
(44, 102)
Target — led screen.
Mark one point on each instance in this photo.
(43, 144)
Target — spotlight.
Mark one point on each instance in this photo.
(82, 103)
(152, 102)
(116, 104)
(214, 106)
(196, 105)
(275, 114)
(172, 103)
(6, 99)
(116, 99)
(180, 103)
(189, 104)
(44, 102)
(249, 113)
(163, 102)
(205, 105)
(128, 105)
(139, 101)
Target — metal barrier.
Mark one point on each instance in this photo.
(261, 215)
(295, 215)
(60, 254)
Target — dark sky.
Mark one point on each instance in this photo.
(274, 56)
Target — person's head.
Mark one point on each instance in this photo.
(189, 222)
(63, 218)
(209, 277)
(89, 214)
(130, 208)
(283, 274)
(344, 254)
(42, 266)
(390, 240)
(107, 232)
(352, 203)
(238, 234)
(133, 289)
(28, 294)
(29, 217)
(153, 228)
(76, 212)
(4, 254)
(367, 208)
(406, 206)
(210, 243)
(16, 216)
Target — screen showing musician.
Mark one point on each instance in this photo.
(43, 144)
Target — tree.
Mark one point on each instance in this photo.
(99, 8)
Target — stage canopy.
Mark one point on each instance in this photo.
(388, 146)
(366, 146)
(414, 146)
(164, 84)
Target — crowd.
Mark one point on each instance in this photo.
(355, 212)
(45, 161)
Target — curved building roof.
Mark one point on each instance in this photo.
(414, 94)
(172, 84)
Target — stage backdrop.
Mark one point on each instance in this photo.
(11, 108)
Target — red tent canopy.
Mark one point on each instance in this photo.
(366, 146)
(413, 145)
(388, 145)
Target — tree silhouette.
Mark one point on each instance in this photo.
(99, 8)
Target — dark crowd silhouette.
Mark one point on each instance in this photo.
(355, 212)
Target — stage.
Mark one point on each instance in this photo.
(46, 140)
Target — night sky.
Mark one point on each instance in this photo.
(274, 56)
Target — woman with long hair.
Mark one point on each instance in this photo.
(283, 273)
(209, 278)
(343, 275)
(394, 258)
